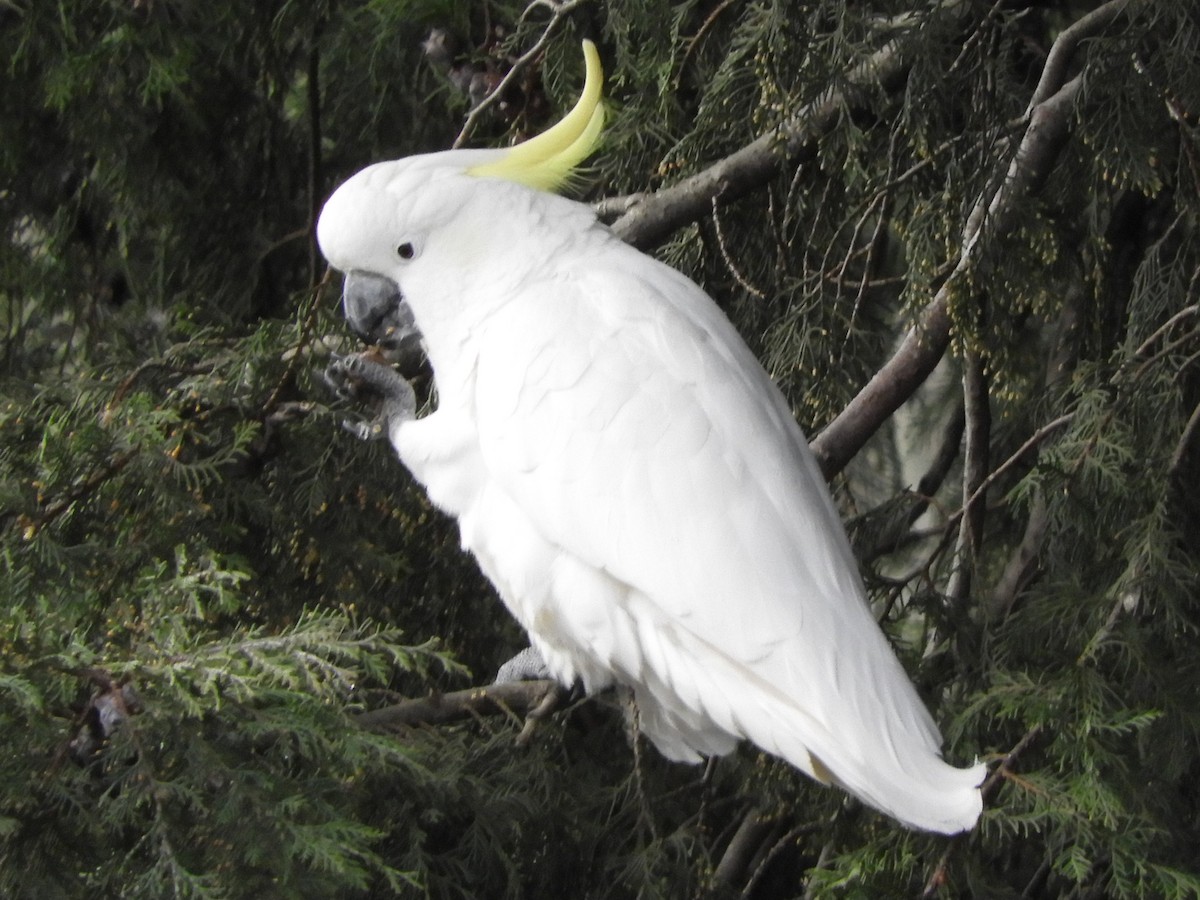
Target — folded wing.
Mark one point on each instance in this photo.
(623, 415)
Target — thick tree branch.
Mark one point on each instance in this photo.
(1049, 120)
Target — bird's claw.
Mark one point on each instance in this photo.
(371, 430)
(355, 377)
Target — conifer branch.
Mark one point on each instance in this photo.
(926, 343)
(938, 876)
(81, 491)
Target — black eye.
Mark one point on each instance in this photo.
(406, 250)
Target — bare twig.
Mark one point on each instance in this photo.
(558, 10)
(1030, 443)
(1187, 442)
(695, 39)
(729, 263)
(1185, 313)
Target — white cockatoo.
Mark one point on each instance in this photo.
(625, 472)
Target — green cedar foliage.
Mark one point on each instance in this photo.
(205, 579)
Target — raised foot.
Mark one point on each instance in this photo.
(357, 378)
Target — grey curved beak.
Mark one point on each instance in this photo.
(375, 309)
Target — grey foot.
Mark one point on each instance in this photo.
(356, 378)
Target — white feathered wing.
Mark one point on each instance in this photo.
(652, 514)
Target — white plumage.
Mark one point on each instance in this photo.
(634, 484)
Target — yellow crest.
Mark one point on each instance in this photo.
(546, 162)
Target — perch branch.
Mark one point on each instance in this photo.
(519, 697)
(756, 826)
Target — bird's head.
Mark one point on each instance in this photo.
(385, 221)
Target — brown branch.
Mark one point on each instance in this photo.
(1188, 441)
(925, 344)
(1049, 120)
(1016, 570)
(650, 218)
(518, 697)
